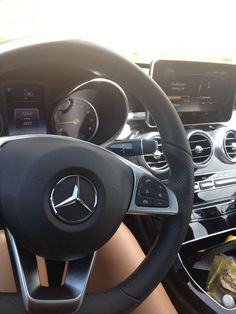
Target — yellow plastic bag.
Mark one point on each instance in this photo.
(222, 277)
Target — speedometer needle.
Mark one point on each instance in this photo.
(75, 121)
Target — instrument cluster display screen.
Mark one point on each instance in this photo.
(26, 108)
(200, 92)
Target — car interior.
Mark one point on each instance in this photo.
(83, 130)
(42, 100)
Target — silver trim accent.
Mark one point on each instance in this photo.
(30, 302)
(209, 159)
(225, 182)
(103, 80)
(220, 171)
(74, 198)
(228, 182)
(7, 139)
(228, 158)
(209, 235)
(147, 120)
(136, 116)
(213, 203)
(193, 280)
(142, 146)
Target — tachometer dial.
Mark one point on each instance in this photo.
(75, 117)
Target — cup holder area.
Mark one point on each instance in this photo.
(191, 254)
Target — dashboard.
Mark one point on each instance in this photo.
(46, 99)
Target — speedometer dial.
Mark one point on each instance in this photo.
(75, 117)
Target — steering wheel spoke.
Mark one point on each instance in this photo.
(60, 296)
(151, 196)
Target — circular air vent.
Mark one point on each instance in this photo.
(201, 147)
(230, 145)
(157, 160)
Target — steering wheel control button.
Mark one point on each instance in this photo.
(151, 193)
(146, 191)
(146, 181)
(160, 203)
(74, 199)
(144, 201)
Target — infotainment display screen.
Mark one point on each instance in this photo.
(200, 92)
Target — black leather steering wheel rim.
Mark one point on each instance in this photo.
(131, 292)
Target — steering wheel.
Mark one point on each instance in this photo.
(42, 174)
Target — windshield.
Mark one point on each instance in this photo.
(140, 30)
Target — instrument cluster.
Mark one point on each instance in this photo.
(84, 112)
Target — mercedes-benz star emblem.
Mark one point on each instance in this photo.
(74, 199)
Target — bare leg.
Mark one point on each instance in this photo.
(7, 282)
(115, 261)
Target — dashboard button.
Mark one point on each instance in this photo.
(206, 185)
(222, 182)
(211, 212)
(198, 215)
(228, 208)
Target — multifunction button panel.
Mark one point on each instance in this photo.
(151, 193)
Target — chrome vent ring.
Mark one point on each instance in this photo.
(229, 145)
(201, 147)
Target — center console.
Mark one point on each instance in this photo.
(203, 95)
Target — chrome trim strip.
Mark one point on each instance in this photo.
(210, 235)
(214, 203)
